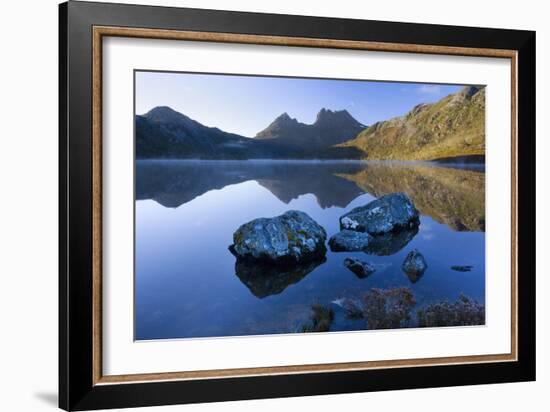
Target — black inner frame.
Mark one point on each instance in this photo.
(76, 388)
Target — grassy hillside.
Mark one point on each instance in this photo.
(451, 127)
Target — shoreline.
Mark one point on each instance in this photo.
(435, 162)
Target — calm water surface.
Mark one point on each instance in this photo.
(186, 280)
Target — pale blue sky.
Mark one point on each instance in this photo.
(248, 104)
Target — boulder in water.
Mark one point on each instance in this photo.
(290, 238)
(349, 241)
(414, 264)
(361, 268)
(389, 213)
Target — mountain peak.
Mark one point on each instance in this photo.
(324, 112)
(330, 128)
(327, 113)
(284, 118)
(469, 91)
(160, 110)
(465, 94)
(327, 116)
(164, 114)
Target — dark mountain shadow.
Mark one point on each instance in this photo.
(163, 133)
(330, 128)
(265, 280)
(450, 195)
(173, 183)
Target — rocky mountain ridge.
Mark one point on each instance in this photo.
(453, 127)
(330, 128)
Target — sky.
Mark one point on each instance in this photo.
(248, 104)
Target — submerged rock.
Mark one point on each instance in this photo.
(361, 268)
(462, 268)
(414, 265)
(263, 279)
(389, 213)
(290, 238)
(349, 241)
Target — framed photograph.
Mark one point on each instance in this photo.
(256, 205)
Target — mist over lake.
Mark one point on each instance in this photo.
(188, 284)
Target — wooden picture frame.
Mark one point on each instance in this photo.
(82, 385)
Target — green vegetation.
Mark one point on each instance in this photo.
(451, 127)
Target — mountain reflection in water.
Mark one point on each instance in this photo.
(188, 284)
(173, 183)
(449, 195)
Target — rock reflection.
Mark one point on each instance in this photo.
(380, 245)
(265, 280)
(414, 277)
(390, 243)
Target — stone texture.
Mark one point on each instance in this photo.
(291, 238)
(390, 213)
(349, 241)
(361, 268)
(414, 264)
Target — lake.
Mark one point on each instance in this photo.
(187, 283)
